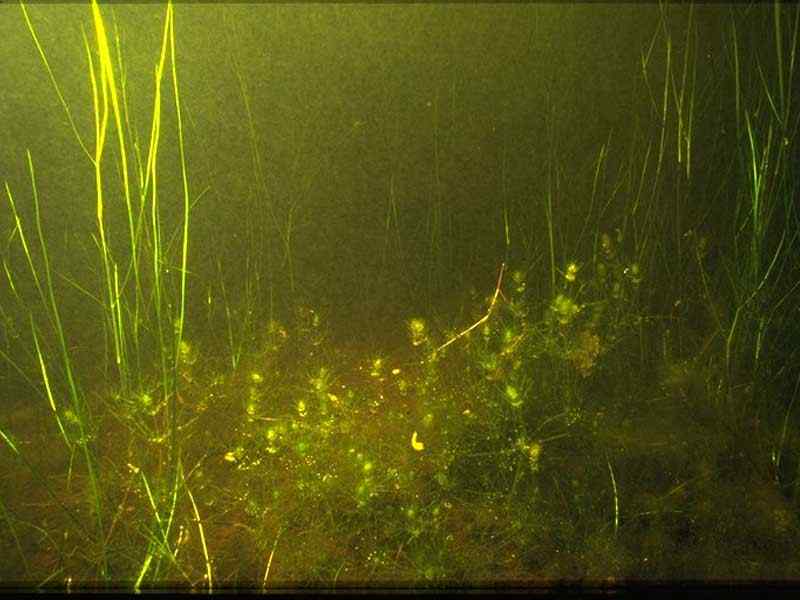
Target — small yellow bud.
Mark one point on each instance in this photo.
(572, 272)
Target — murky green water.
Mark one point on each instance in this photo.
(431, 295)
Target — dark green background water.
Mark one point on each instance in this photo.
(453, 112)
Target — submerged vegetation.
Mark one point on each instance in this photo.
(615, 403)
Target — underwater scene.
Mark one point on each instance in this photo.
(399, 296)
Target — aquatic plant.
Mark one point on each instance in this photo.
(129, 299)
